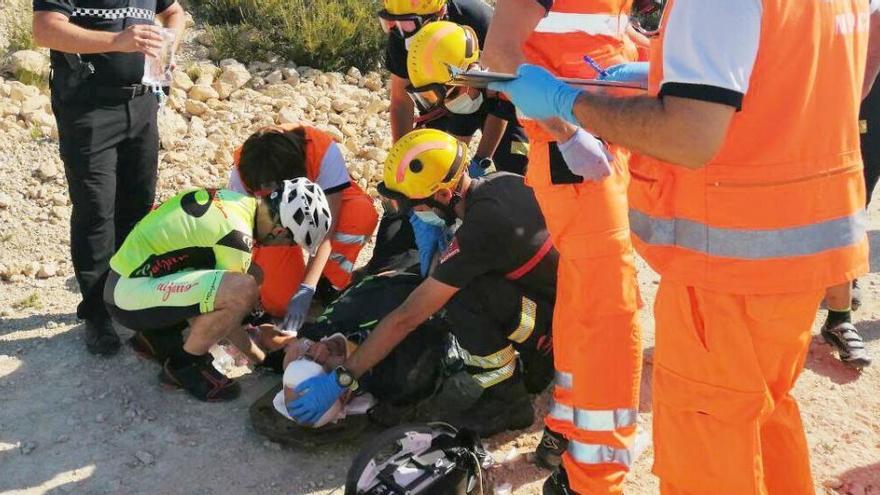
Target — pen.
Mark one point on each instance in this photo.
(598, 68)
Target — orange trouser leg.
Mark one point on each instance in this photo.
(283, 270)
(357, 222)
(596, 330)
(724, 422)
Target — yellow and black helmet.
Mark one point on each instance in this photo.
(436, 47)
(419, 7)
(421, 163)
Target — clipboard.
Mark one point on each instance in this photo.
(479, 79)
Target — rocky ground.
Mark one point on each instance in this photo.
(73, 423)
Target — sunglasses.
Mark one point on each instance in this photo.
(431, 97)
(404, 24)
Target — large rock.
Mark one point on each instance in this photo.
(30, 62)
(40, 118)
(172, 128)
(47, 171)
(234, 76)
(21, 92)
(195, 107)
(181, 80)
(34, 103)
(373, 82)
(274, 77)
(9, 107)
(197, 128)
(288, 115)
(201, 92)
(342, 104)
(376, 106)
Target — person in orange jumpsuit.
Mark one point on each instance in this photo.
(282, 152)
(583, 198)
(748, 198)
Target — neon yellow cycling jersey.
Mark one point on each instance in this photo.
(195, 230)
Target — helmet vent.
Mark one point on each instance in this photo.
(416, 166)
(299, 216)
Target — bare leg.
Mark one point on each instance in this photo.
(236, 298)
(839, 297)
(243, 343)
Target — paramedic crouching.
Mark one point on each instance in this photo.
(496, 282)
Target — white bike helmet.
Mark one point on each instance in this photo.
(305, 212)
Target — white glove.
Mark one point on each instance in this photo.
(586, 156)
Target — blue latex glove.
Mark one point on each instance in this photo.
(636, 72)
(428, 240)
(298, 308)
(316, 395)
(539, 95)
(586, 156)
(474, 168)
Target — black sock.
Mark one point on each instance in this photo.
(183, 359)
(837, 317)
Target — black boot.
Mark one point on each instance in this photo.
(502, 407)
(557, 484)
(157, 345)
(549, 452)
(101, 337)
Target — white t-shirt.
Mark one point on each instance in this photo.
(332, 178)
(710, 48)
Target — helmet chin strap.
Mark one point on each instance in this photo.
(447, 211)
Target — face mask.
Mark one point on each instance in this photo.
(463, 104)
(430, 218)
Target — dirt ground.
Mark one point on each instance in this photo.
(74, 423)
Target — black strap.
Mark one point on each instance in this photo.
(118, 92)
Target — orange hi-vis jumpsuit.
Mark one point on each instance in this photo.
(746, 245)
(596, 339)
(284, 266)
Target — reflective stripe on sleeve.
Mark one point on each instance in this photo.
(604, 420)
(349, 238)
(526, 322)
(342, 261)
(749, 244)
(592, 24)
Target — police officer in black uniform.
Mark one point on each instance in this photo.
(109, 140)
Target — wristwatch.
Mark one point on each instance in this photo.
(345, 379)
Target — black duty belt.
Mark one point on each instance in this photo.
(118, 92)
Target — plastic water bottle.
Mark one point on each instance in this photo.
(157, 70)
(223, 362)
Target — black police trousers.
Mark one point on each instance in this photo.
(493, 319)
(110, 151)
